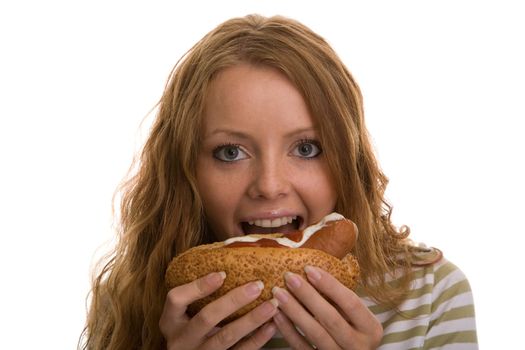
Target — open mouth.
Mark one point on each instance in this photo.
(279, 225)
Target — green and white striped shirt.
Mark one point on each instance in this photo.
(437, 314)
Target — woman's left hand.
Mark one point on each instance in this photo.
(346, 323)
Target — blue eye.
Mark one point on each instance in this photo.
(229, 153)
(307, 149)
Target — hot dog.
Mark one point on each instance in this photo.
(267, 257)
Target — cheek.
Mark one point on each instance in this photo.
(211, 191)
(216, 189)
(321, 190)
(220, 197)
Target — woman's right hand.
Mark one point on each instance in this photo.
(200, 331)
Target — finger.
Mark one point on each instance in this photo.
(311, 328)
(213, 313)
(324, 312)
(178, 299)
(233, 332)
(259, 338)
(213, 331)
(294, 339)
(346, 300)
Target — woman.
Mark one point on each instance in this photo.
(262, 117)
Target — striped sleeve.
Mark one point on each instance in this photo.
(437, 314)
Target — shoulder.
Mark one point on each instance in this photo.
(438, 311)
(448, 288)
(430, 264)
(448, 277)
(447, 280)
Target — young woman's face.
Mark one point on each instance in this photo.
(260, 167)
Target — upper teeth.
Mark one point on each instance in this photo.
(273, 222)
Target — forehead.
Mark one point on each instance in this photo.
(248, 93)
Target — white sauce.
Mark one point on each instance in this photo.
(307, 233)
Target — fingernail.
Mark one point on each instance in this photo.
(254, 288)
(312, 273)
(280, 294)
(269, 307)
(215, 278)
(292, 280)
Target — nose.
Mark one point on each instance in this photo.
(270, 180)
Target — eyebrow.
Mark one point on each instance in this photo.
(241, 135)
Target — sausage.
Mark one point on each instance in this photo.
(337, 238)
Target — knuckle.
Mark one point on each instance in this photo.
(204, 319)
(174, 299)
(253, 342)
(333, 324)
(203, 288)
(164, 324)
(377, 333)
(236, 298)
(226, 337)
(353, 303)
(163, 327)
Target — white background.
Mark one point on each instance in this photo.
(443, 83)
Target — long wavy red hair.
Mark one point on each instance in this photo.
(161, 212)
